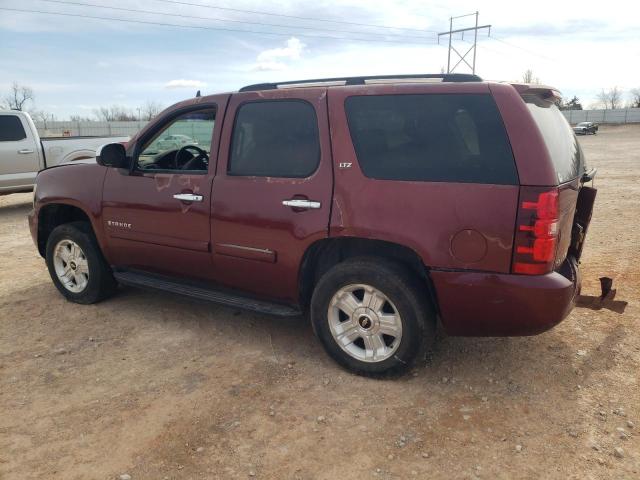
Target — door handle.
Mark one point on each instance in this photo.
(188, 197)
(25, 150)
(301, 203)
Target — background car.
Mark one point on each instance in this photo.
(23, 153)
(585, 128)
(175, 141)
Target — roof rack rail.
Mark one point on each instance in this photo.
(339, 81)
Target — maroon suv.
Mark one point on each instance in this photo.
(377, 205)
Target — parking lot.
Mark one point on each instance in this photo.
(157, 386)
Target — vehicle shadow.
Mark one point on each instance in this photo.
(514, 361)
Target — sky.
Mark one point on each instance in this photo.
(76, 64)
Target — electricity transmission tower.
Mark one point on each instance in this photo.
(472, 48)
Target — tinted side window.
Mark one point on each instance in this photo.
(562, 143)
(11, 129)
(276, 138)
(436, 138)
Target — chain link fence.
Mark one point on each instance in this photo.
(619, 115)
(120, 129)
(88, 129)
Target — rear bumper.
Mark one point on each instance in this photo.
(492, 304)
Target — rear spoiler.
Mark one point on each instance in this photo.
(543, 91)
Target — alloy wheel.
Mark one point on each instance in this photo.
(365, 323)
(71, 265)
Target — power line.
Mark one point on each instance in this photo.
(510, 53)
(257, 12)
(202, 27)
(504, 42)
(463, 56)
(81, 4)
(493, 37)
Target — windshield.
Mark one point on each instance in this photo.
(561, 142)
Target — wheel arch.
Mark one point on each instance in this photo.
(323, 254)
(52, 215)
(78, 155)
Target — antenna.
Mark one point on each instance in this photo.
(471, 48)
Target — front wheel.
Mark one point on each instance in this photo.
(372, 316)
(76, 265)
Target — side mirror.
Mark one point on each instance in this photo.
(112, 155)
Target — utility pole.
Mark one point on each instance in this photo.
(472, 48)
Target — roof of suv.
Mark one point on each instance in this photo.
(365, 80)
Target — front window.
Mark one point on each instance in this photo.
(183, 144)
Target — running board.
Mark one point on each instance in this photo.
(167, 284)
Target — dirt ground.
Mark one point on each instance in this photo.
(160, 387)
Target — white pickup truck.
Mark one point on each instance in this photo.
(23, 153)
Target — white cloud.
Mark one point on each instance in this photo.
(269, 66)
(578, 51)
(274, 58)
(183, 83)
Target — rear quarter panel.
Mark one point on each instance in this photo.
(529, 150)
(449, 225)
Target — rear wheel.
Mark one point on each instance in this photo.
(76, 265)
(372, 317)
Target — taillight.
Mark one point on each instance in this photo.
(536, 237)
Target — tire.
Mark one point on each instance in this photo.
(351, 339)
(88, 277)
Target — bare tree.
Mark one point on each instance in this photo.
(150, 110)
(634, 93)
(79, 118)
(529, 77)
(41, 116)
(103, 114)
(18, 96)
(114, 113)
(610, 99)
(571, 104)
(615, 97)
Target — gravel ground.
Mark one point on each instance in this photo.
(154, 386)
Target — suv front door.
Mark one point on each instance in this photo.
(156, 216)
(272, 190)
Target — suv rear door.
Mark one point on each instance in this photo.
(428, 167)
(272, 189)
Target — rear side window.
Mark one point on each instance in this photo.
(11, 129)
(276, 138)
(432, 137)
(562, 144)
